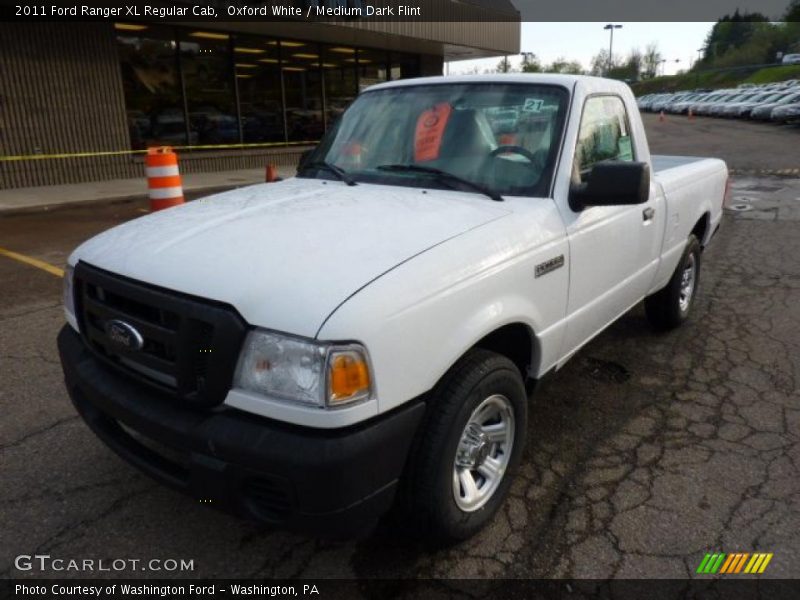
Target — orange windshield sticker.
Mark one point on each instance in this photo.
(351, 149)
(507, 139)
(430, 128)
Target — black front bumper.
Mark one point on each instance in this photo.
(323, 481)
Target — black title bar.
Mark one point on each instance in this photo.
(388, 10)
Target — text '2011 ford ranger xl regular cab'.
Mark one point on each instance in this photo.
(309, 352)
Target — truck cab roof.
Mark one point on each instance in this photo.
(567, 81)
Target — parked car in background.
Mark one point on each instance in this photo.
(660, 102)
(746, 100)
(707, 108)
(682, 104)
(786, 113)
(791, 59)
(742, 108)
(763, 112)
(700, 106)
(717, 108)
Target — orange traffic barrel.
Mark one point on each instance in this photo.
(271, 174)
(163, 178)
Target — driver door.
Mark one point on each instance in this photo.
(613, 251)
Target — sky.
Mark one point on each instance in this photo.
(581, 41)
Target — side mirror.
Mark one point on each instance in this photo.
(612, 183)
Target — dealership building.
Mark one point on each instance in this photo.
(229, 95)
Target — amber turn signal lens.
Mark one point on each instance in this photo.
(349, 377)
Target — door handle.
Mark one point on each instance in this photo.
(648, 214)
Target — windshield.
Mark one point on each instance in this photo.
(501, 136)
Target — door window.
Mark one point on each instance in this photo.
(604, 134)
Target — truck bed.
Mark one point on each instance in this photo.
(687, 183)
(676, 172)
(663, 162)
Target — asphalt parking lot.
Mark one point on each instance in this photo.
(645, 452)
(752, 147)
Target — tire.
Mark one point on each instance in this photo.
(670, 307)
(485, 380)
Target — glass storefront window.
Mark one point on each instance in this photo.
(208, 80)
(302, 81)
(372, 67)
(195, 87)
(153, 100)
(258, 77)
(339, 68)
(403, 66)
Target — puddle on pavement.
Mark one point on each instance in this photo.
(605, 370)
(765, 199)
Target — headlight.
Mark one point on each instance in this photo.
(69, 294)
(302, 370)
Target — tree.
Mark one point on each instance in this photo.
(650, 61)
(599, 63)
(731, 32)
(562, 65)
(632, 67)
(531, 63)
(504, 66)
(793, 12)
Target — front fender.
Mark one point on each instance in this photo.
(419, 319)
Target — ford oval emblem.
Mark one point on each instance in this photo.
(124, 334)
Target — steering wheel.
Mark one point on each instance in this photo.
(532, 158)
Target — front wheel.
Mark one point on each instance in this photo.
(469, 447)
(669, 307)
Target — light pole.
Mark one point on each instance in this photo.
(611, 27)
(525, 58)
(504, 62)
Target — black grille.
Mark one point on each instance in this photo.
(190, 345)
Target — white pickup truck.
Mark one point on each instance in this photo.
(310, 352)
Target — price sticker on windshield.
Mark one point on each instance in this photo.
(533, 105)
(430, 129)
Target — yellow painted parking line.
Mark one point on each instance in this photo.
(34, 262)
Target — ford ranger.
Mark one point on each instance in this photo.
(367, 334)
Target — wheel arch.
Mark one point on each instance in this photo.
(517, 342)
(702, 228)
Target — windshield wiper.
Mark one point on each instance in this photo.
(443, 175)
(338, 171)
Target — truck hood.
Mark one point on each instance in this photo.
(286, 254)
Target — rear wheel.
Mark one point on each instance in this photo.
(669, 307)
(469, 447)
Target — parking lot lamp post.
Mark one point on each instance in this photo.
(611, 27)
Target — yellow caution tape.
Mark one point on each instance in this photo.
(128, 152)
